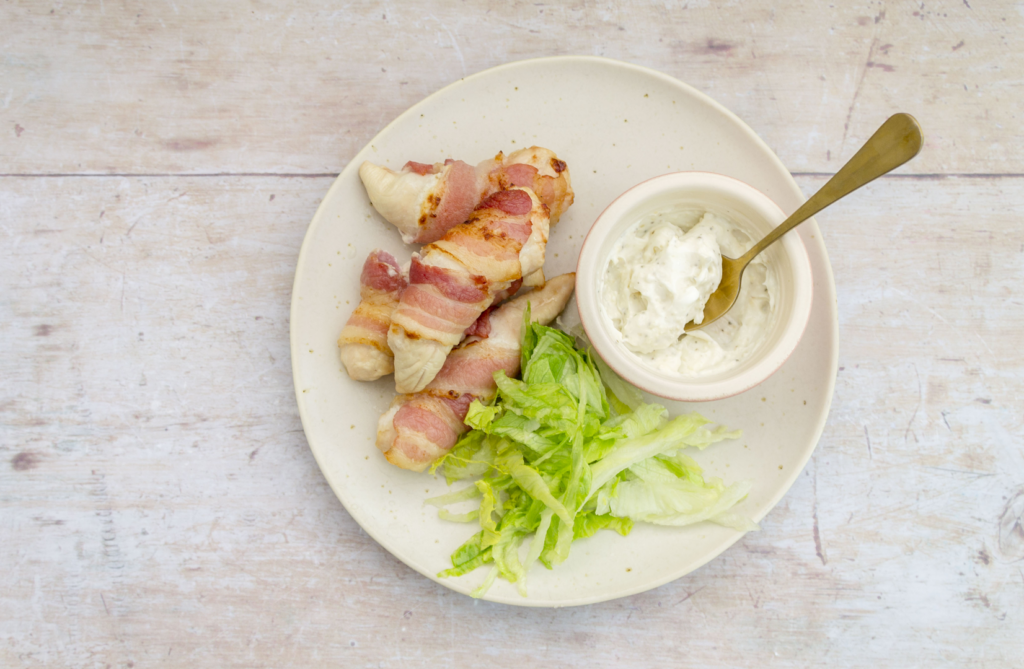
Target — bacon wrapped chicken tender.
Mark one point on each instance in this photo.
(425, 201)
(453, 280)
(421, 427)
(363, 342)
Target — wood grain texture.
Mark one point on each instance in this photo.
(159, 505)
(281, 87)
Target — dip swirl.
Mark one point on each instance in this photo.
(659, 276)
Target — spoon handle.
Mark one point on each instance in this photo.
(894, 143)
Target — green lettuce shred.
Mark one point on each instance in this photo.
(568, 450)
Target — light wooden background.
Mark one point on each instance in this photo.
(159, 506)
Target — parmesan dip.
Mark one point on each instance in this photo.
(659, 277)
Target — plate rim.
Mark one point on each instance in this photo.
(816, 239)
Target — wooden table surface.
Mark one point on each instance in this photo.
(159, 505)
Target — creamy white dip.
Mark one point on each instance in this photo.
(658, 278)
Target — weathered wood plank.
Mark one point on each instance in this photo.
(160, 505)
(284, 87)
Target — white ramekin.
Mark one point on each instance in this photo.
(749, 209)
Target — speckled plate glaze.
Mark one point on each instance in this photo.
(616, 125)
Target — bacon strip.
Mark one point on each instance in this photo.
(453, 204)
(419, 168)
(512, 202)
(363, 341)
(421, 427)
(450, 283)
(521, 174)
(458, 277)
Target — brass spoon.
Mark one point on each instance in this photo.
(894, 143)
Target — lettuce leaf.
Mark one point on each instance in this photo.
(567, 451)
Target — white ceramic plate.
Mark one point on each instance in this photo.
(615, 125)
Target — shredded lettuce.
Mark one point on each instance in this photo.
(568, 450)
